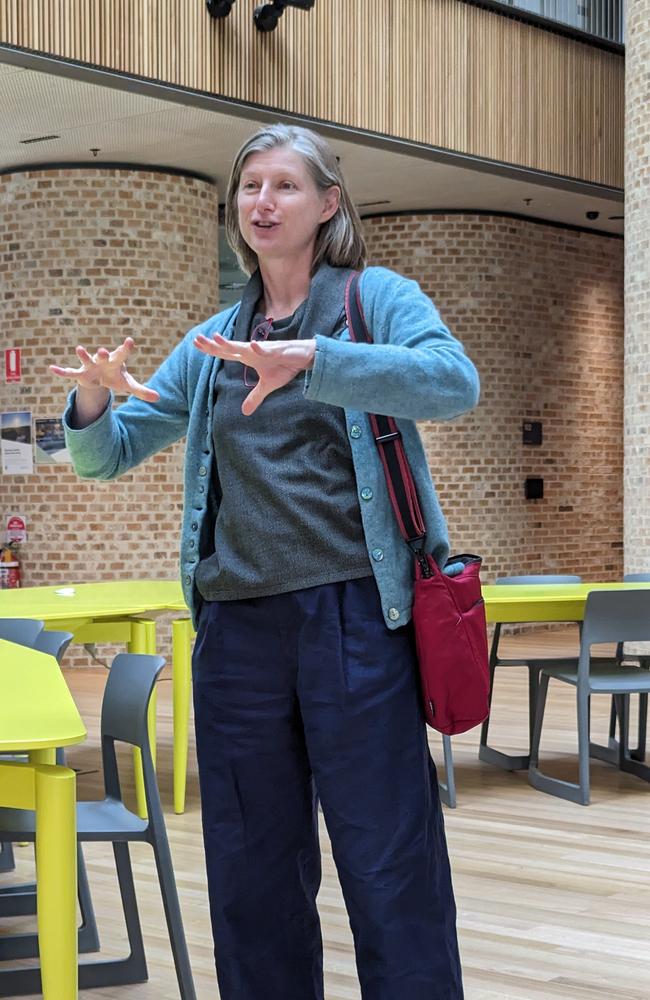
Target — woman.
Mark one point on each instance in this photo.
(300, 585)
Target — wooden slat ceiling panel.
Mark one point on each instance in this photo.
(435, 71)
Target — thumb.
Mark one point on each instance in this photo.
(256, 396)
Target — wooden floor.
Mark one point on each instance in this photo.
(553, 898)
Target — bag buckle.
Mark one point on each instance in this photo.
(388, 437)
(416, 546)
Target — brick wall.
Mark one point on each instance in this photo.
(91, 256)
(539, 309)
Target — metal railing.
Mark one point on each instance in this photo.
(600, 18)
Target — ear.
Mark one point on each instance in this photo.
(331, 202)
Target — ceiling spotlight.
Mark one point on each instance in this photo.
(219, 8)
(267, 16)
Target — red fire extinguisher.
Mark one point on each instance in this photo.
(9, 567)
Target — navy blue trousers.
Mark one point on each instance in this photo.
(302, 697)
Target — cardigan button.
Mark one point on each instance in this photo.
(377, 554)
(188, 579)
(366, 493)
(393, 614)
(355, 431)
(203, 471)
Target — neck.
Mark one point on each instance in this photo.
(286, 284)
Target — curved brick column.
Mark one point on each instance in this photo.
(637, 289)
(91, 256)
(539, 309)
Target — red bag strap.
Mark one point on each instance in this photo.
(399, 479)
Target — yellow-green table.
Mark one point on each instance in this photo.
(513, 603)
(37, 714)
(110, 612)
(557, 602)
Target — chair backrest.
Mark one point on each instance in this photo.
(616, 616)
(54, 643)
(126, 697)
(124, 719)
(636, 578)
(539, 578)
(22, 631)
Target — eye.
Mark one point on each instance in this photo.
(248, 185)
(288, 185)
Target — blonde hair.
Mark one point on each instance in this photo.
(340, 240)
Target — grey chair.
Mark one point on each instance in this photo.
(447, 787)
(20, 900)
(610, 753)
(124, 719)
(610, 616)
(23, 631)
(514, 762)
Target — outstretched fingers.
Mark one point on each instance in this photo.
(139, 390)
(65, 372)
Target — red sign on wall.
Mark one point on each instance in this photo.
(12, 365)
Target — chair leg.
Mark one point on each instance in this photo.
(639, 752)
(172, 908)
(584, 705)
(627, 762)
(7, 862)
(568, 790)
(448, 787)
(612, 725)
(490, 755)
(20, 900)
(88, 933)
(540, 706)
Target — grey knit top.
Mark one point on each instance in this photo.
(288, 513)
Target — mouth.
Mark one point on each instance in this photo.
(265, 225)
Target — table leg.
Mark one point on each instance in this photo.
(51, 793)
(181, 684)
(143, 640)
(56, 881)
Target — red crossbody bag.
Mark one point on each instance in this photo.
(448, 611)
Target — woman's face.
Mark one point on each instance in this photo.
(280, 208)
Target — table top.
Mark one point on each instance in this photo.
(115, 598)
(110, 599)
(36, 708)
(525, 602)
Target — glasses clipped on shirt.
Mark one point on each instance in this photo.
(259, 332)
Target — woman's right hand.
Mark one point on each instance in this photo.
(107, 369)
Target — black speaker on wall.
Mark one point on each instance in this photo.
(534, 489)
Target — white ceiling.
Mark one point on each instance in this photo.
(133, 127)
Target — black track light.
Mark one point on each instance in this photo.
(219, 8)
(267, 16)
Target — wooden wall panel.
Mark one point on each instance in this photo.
(439, 72)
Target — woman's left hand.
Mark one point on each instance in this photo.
(276, 362)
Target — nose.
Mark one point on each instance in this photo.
(265, 198)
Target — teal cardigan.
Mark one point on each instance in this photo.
(414, 370)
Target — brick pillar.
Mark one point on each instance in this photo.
(90, 256)
(637, 285)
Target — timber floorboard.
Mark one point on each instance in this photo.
(553, 898)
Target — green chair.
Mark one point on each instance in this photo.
(512, 762)
(610, 616)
